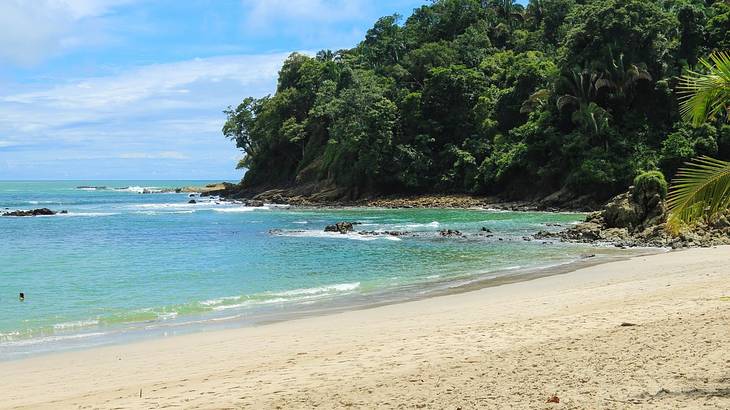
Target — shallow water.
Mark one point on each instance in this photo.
(122, 264)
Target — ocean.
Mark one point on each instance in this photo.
(122, 265)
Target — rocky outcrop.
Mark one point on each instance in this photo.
(341, 227)
(638, 218)
(32, 212)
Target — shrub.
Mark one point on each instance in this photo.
(649, 183)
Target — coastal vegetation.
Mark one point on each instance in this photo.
(491, 97)
(701, 190)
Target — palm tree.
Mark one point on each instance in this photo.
(701, 190)
(620, 78)
(509, 10)
(706, 96)
(581, 88)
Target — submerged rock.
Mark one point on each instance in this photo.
(449, 233)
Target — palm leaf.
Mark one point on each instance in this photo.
(700, 192)
(706, 96)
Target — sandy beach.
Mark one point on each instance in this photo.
(510, 346)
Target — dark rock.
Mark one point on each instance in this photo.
(64, 212)
(192, 201)
(484, 229)
(341, 227)
(449, 233)
(627, 324)
(621, 212)
(32, 212)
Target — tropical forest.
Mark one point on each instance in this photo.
(491, 97)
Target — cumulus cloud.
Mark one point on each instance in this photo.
(170, 82)
(136, 115)
(36, 29)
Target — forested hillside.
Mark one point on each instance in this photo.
(490, 97)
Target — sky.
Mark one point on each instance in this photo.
(134, 89)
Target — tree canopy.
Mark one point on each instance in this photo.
(489, 96)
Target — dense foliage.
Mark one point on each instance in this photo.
(488, 96)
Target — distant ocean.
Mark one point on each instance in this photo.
(123, 265)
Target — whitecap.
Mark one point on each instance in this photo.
(49, 339)
(167, 316)
(212, 302)
(87, 214)
(342, 287)
(164, 213)
(249, 303)
(139, 189)
(433, 224)
(75, 325)
(240, 209)
(335, 235)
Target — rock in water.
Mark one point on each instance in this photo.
(448, 233)
(32, 212)
(192, 201)
(341, 227)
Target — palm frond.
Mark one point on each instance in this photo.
(565, 100)
(700, 192)
(706, 96)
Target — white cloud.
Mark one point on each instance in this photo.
(199, 84)
(168, 81)
(36, 29)
(154, 155)
(162, 113)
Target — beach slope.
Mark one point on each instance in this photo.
(650, 332)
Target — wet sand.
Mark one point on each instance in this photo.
(649, 332)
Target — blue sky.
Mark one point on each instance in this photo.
(134, 89)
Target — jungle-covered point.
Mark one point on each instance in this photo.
(567, 97)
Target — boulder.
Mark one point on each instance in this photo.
(622, 212)
(341, 227)
(192, 201)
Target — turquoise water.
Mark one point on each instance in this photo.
(122, 263)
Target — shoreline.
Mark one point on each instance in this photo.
(516, 344)
(129, 333)
(331, 198)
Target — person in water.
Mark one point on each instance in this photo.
(21, 296)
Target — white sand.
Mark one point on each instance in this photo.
(511, 346)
